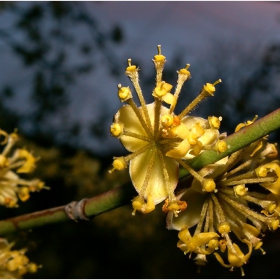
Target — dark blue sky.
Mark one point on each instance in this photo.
(206, 32)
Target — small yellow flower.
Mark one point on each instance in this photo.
(159, 139)
(12, 164)
(218, 202)
(14, 263)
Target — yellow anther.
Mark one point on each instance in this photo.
(210, 88)
(274, 225)
(5, 134)
(119, 164)
(116, 129)
(261, 171)
(184, 71)
(258, 246)
(14, 136)
(213, 244)
(162, 89)
(271, 207)
(224, 228)
(33, 268)
(29, 164)
(159, 57)
(9, 202)
(240, 190)
(209, 185)
(175, 206)
(3, 161)
(197, 130)
(124, 93)
(221, 146)
(167, 120)
(139, 204)
(23, 193)
(130, 68)
(241, 125)
(196, 149)
(215, 122)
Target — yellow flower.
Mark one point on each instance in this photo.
(14, 263)
(159, 139)
(224, 209)
(12, 163)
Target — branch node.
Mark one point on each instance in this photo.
(75, 210)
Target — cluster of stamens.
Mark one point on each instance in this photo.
(12, 163)
(236, 206)
(14, 263)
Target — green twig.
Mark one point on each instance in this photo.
(122, 195)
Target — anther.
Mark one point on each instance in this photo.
(224, 228)
(119, 163)
(116, 129)
(130, 68)
(124, 93)
(184, 71)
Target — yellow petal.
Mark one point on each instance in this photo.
(156, 187)
(169, 98)
(275, 186)
(181, 150)
(191, 215)
(131, 123)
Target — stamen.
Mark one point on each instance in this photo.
(183, 75)
(156, 118)
(240, 167)
(148, 173)
(170, 191)
(207, 90)
(202, 218)
(135, 135)
(132, 73)
(218, 209)
(248, 213)
(138, 152)
(140, 116)
(159, 61)
(210, 212)
(249, 181)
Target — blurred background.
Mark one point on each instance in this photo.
(60, 66)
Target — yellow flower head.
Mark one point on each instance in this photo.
(14, 263)
(225, 209)
(12, 163)
(159, 139)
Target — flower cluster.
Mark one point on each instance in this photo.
(244, 203)
(12, 163)
(159, 140)
(14, 263)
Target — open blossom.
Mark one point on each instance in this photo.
(244, 203)
(159, 139)
(14, 263)
(12, 164)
